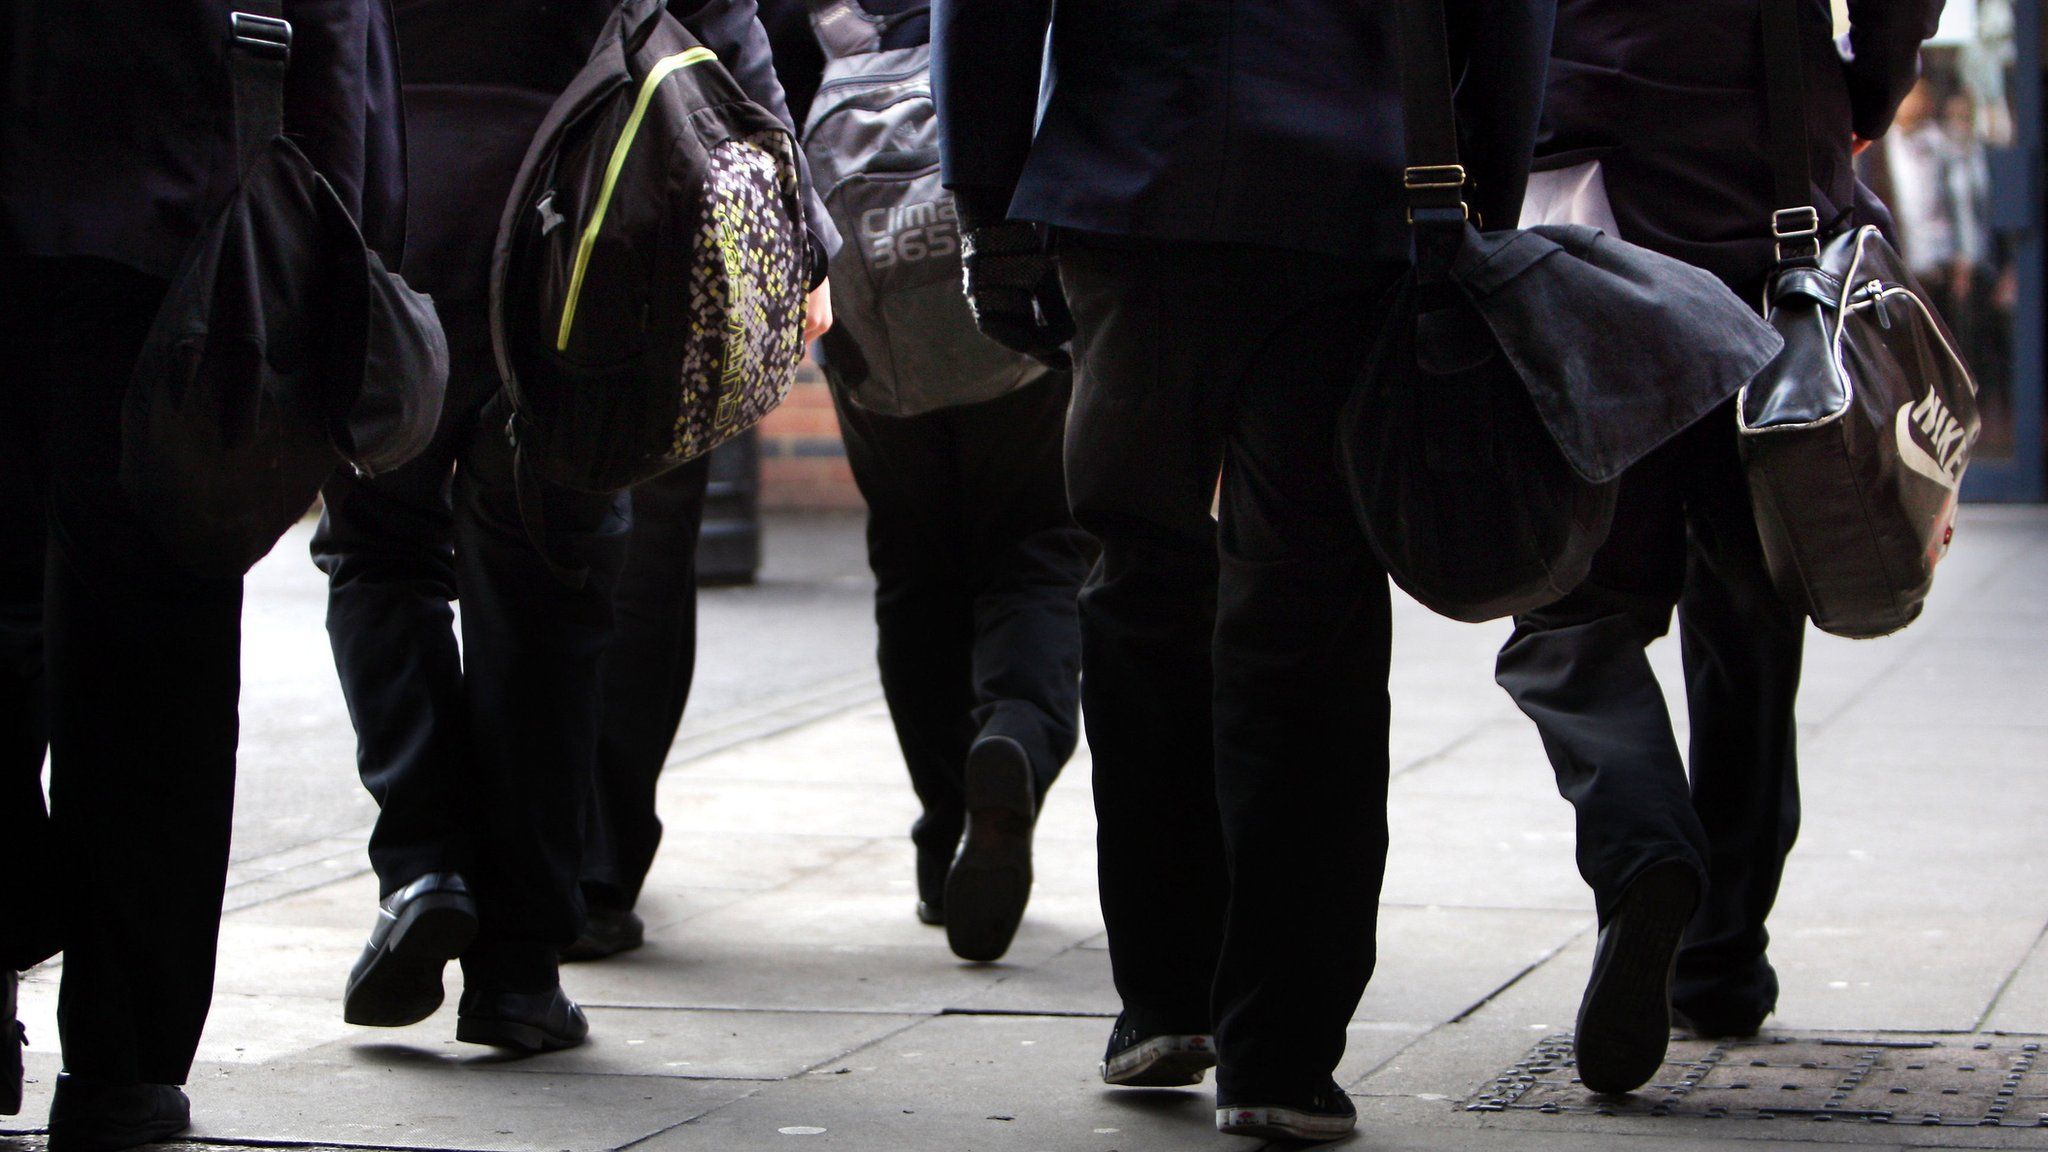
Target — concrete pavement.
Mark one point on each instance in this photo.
(788, 999)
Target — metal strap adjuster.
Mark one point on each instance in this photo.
(265, 36)
(1796, 224)
(1435, 187)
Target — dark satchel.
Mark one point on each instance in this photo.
(1855, 439)
(282, 351)
(903, 341)
(1519, 373)
(648, 283)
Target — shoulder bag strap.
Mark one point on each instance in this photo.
(1795, 224)
(259, 50)
(1433, 182)
(845, 28)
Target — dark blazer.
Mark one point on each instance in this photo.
(1274, 123)
(116, 121)
(479, 77)
(1669, 97)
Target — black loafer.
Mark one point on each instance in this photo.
(87, 1116)
(1159, 1060)
(527, 1022)
(1625, 1018)
(607, 932)
(397, 979)
(12, 1039)
(1324, 1114)
(990, 880)
(931, 913)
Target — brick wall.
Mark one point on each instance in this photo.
(803, 463)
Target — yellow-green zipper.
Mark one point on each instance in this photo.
(660, 72)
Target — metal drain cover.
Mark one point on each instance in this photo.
(1963, 1081)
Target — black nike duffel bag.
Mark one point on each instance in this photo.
(1855, 439)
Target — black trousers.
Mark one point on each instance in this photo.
(977, 562)
(1684, 536)
(126, 669)
(481, 758)
(1234, 673)
(647, 672)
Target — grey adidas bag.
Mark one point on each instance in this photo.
(903, 342)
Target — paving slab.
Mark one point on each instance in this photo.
(656, 1042)
(963, 1084)
(2023, 1004)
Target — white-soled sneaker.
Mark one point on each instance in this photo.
(1166, 1060)
(1326, 1115)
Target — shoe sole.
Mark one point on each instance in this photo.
(1282, 1124)
(1624, 1021)
(523, 1038)
(990, 881)
(403, 984)
(65, 1138)
(1161, 1062)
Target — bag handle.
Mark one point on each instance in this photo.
(259, 51)
(845, 28)
(1433, 183)
(1795, 225)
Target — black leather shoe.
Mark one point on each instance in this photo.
(1324, 1114)
(12, 1038)
(607, 932)
(397, 979)
(1625, 1018)
(86, 1116)
(1160, 1060)
(990, 880)
(527, 1022)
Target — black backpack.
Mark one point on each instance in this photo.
(648, 283)
(903, 341)
(283, 348)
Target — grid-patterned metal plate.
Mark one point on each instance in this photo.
(1963, 1081)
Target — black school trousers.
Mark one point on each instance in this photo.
(126, 669)
(1684, 537)
(977, 563)
(1234, 669)
(647, 672)
(481, 756)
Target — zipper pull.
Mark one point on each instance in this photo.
(1875, 290)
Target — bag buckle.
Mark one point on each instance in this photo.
(264, 36)
(1802, 224)
(1435, 186)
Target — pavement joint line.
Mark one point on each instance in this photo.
(2005, 985)
(1518, 977)
(1443, 753)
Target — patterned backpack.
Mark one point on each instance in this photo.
(647, 289)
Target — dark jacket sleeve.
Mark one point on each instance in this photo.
(731, 29)
(1884, 57)
(987, 58)
(1500, 53)
(341, 106)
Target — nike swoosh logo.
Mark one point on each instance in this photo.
(1913, 456)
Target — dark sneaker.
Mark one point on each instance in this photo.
(1326, 1114)
(397, 979)
(86, 1116)
(1163, 1060)
(13, 1037)
(990, 880)
(1625, 1018)
(933, 915)
(607, 932)
(526, 1022)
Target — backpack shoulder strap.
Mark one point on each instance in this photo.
(259, 51)
(845, 28)
(1433, 182)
